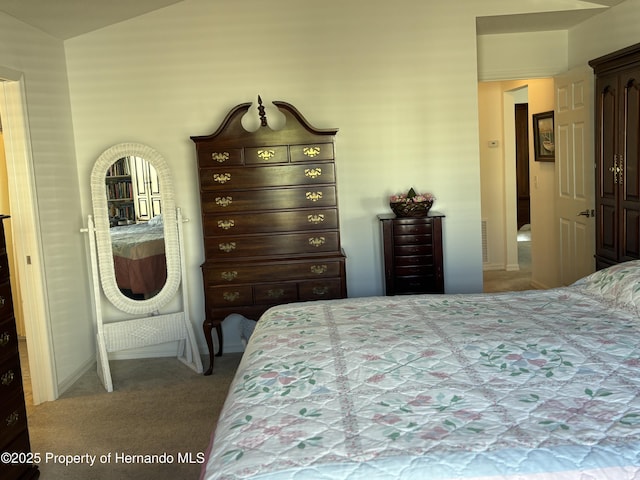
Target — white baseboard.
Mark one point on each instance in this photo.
(73, 378)
(492, 266)
(510, 267)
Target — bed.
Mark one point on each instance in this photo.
(139, 257)
(520, 385)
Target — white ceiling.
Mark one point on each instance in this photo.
(578, 11)
(65, 19)
(533, 22)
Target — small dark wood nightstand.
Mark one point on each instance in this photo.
(412, 250)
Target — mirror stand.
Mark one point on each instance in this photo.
(144, 331)
(137, 256)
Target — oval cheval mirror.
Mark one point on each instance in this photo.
(136, 256)
(136, 228)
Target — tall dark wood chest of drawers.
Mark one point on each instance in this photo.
(269, 216)
(412, 250)
(14, 435)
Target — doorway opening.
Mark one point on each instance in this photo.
(5, 209)
(523, 196)
(27, 276)
(509, 267)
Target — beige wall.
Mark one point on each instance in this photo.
(522, 55)
(405, 106)
(41, 61)
(614, 29)
(400, 82)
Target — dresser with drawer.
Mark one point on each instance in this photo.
(412, 253)
(14, 435)
(269, 217)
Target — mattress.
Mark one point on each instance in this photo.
(137, 241)
(522, 385)
(139, 258)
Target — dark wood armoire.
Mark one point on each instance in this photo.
(269, 216)
(617, 154)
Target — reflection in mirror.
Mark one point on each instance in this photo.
(136, 228)
(134, 202)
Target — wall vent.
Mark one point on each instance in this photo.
(485, 253)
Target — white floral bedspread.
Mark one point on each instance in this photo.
(538, 384)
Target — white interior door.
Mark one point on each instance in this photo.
(575, 173)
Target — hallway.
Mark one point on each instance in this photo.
(502, 280)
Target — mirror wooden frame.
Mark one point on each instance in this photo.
(103, 235)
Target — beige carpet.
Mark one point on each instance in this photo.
(502, 280)
(159, 406)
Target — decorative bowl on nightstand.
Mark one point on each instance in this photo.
(411, 204)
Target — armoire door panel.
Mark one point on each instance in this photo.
(630, 247)
(607, 236)
(631, 176)
(608, 139)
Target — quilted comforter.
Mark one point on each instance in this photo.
(523, 385)
(139, 257)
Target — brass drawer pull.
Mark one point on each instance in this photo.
(617, 169)
(224, 201)
(220, 157)
(315, 218)
(231, 296)
(5, 338)
(275, 293)
(2, 301)
(227, 247)
(318, 269)
(314, 196)
(317, 241)
(311, 151)
(226, 224)
(313, 172)
(8, 378)
(221, 177)
(12, 419)
(266, 154)
(228, 276)
(320, 290)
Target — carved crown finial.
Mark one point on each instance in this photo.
(263, 116)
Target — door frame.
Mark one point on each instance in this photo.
(27, 239)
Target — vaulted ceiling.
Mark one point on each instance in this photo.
(65, 19)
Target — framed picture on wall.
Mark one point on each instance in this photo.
(543, 138)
